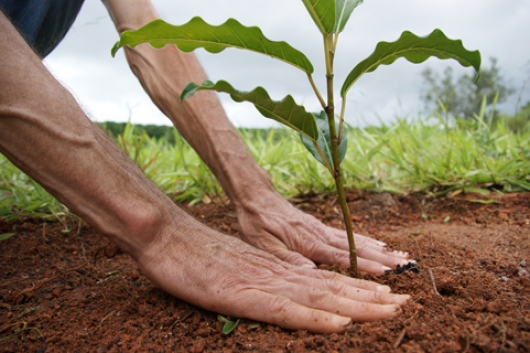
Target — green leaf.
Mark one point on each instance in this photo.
(485, 202)
(324, 141)
(476, 190)
(286, 111)
(222, 318)
(230, 326)
(214, 39)
(416, 50)
(344, 10)
(6, 235)
(323, 13)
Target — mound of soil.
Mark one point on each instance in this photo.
(72, 291)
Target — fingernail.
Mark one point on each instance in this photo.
(309, 266)
(341, 320)
(383, 289)
(380, 243)
(401, 253)
(408, 261)
(397, 309)
(401, 298)
(385, 268)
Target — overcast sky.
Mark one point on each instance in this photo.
(108, 90)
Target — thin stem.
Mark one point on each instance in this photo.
(317, 92)
(335, 40)
(341, 118)
(329, 47)
(324, 159)
(354, 272)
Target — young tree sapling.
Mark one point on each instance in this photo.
(323, 133)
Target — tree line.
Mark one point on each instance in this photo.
(457, 98)
(462, 98)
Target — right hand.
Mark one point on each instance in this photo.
(221, 273)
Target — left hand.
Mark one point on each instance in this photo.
(276, 226)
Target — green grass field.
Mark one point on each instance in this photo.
(429, 156)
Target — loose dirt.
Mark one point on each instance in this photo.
(72, 291)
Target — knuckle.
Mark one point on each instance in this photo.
(315, 317)
(279, 307)
(311, 247)
(360, 239)
(341, 258)
(290, 257)
(316, 295)
(361, 248)
(335, 287)
(376, 297)
(365, 309)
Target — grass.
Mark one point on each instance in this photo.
(407, 156)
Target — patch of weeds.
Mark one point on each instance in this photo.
(15, 326)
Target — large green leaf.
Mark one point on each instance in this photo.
(286, 111)
(323, 13)
(214, 39)
(324, 141)
(344, 9)
(416, 50)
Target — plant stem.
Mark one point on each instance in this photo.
(354, 272)
(329, 47)
(341, 118)
(315, 89)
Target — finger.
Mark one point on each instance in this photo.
(293, 257)
(286, 313)
(373, 267)
(359, 237)
(327, 254)
(362, 242)
(371, 305)
(365, 241)
(360, 305)
(330, 276)
(368, 260)
(383, 257)
(371, 257)
(350, 288)
(314, 310)
(275, 247)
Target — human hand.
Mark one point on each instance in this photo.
(223, 274)
(276, 226)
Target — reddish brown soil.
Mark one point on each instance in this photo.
(471, 295)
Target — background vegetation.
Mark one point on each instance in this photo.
(463, 147)
(476, 155)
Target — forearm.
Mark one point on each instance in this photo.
(45, 133)
(201, 120)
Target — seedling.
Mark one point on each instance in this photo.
(229, 325)
(323, 132)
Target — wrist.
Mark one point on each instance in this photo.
(130, 14)
(250, 185)
(256, 195)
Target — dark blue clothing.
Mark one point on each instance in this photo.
(42, 23)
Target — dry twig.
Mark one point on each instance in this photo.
(432, 281)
